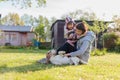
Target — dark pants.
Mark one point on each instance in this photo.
(67, 48)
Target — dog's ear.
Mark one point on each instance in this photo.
(49, 52)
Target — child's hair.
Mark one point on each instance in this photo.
(69, 21)
(82, 26)
(74, 37)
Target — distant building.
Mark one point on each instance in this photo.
(16, 35)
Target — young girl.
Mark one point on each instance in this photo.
(70, 36)
(69, 26)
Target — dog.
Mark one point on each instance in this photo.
(60, 59)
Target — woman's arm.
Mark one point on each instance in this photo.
(82, 49)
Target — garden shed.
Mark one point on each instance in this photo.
(16, 35)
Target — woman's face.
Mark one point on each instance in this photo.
(78, 32)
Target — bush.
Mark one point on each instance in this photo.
(45, 45)
(98, 52)
(110, 40)
(117, 47)
(12, 47)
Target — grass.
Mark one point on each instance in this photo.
(20, 64)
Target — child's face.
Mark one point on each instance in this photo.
(70, 26)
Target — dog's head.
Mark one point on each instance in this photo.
(52, 52)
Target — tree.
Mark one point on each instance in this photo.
(29, 20)
(39, 30)
(98, 27)
(81, 15)
(116, 19)
(37, 22)
(12, 19)
(48, 28)
(26, 3)
(42, 26)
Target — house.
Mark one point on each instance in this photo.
(16, 35)
(57, 32)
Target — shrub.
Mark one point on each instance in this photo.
(117, 47)
(45, 45)
(12, 47)
(110, 40)
(98, 52)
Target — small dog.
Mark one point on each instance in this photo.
(61, 59)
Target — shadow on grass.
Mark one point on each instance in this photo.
(27, 68)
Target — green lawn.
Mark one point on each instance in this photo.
(21, 65)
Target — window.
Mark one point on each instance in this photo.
(10, 37)
(7, 37)
(13, 37)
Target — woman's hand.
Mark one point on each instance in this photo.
(67, 55)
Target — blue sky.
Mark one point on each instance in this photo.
(104, 9)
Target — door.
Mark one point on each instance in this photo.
(23, 39)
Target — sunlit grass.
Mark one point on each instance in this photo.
(19, 64)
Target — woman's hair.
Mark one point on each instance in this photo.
(82, 26)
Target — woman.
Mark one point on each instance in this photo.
(84, 44)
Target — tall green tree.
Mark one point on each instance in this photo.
(12, 19)
(39, 30)
(42, 26)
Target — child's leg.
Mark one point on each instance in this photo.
(67, 48)
(62, 48)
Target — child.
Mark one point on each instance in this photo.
(69, 26)
(70, 36)
(70, 44)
